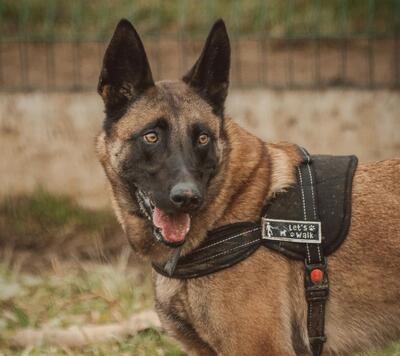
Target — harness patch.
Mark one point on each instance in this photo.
(291, 231)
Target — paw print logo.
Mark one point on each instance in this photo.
(311, 228)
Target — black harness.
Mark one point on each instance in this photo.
(309, 221)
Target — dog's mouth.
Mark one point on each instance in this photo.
(170, 229)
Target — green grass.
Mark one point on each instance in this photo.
(46, 222)
(68, 19)
(51, 210)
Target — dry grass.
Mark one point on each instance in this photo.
(74, 293)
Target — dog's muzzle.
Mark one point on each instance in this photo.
(147, 207)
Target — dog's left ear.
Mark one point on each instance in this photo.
(210, 74)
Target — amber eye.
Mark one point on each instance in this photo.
(151, 137)
(203, 139)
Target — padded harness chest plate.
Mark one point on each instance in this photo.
(230, 244)
(332, 178)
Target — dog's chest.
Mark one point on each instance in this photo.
(168, 289)
(184, 302)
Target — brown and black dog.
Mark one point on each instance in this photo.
(200, 170)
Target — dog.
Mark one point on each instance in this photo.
(171, 143)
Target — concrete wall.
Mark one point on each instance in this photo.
(48, 139)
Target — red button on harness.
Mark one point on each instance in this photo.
(316, 275)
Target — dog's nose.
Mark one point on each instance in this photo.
(186, 195)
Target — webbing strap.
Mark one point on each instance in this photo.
(315, 276)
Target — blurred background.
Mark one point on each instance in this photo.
(323, 74)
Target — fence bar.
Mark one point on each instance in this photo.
(235, 16)
(158, 36)
(104, 11)
(210, 10)
(102, 35)
(396, 41)
(76, 23)
(344, 38)
(182, 35)
(262, 30)
(49, 42)
(317, 49)
(289, 39)
(371, 32)
(22, 44)
(1, 44)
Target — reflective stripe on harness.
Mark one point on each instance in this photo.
(316, 281)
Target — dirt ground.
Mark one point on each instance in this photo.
(255, 62)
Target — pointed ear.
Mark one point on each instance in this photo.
(126, 72)
(210, 74)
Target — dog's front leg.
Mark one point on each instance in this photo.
(174, 319)
(181, 330)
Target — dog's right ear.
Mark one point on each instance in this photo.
(126, 72)
(210, 74)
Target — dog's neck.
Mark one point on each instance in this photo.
(251, 173)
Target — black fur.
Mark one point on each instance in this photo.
(156, 168)
(210, 74)
(126, 73)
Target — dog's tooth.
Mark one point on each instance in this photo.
(157, 234)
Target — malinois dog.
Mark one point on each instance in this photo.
(171, 142)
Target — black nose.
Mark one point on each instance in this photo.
(186, 196)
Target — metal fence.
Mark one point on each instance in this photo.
(58, 45)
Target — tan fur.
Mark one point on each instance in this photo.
(250, 308)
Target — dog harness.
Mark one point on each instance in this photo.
(307, 222)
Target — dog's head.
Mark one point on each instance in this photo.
(162, 142)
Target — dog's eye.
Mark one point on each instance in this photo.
(151, 137)
(203, 139)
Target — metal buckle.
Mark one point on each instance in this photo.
(310, 266)
(316, 292)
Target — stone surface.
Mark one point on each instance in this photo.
(48, 139)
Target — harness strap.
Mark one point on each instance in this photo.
(315, 275)
(225, 247)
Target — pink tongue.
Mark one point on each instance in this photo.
(173, 227)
